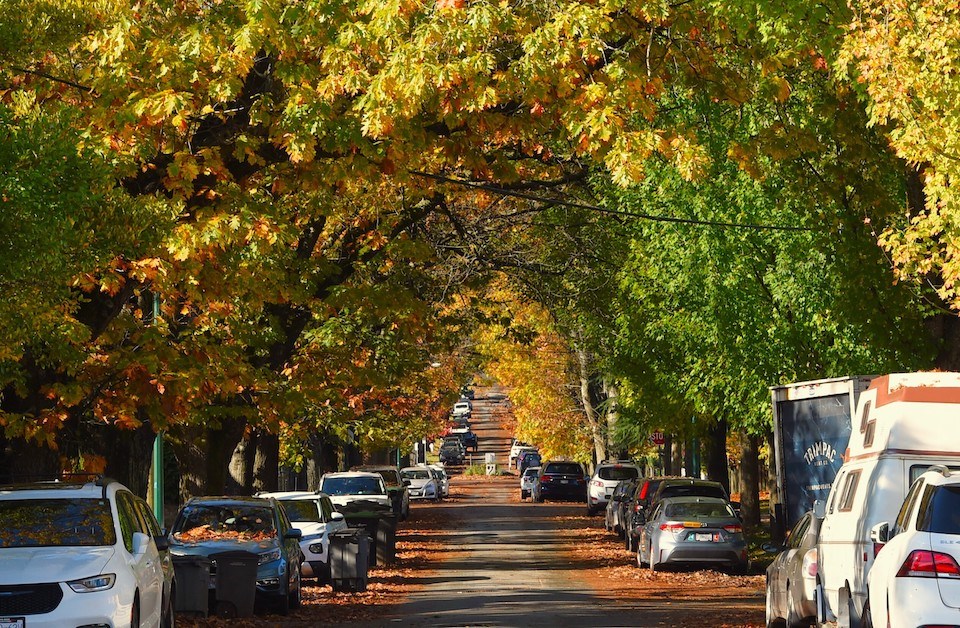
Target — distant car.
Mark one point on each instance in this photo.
(314, 515)
(515, 452)
(467, 393)
(613, 518)
(259, 525)
(655, 489)
(468, 438)
(357, 491)
(527, 480)
(693, 531)
(443, 481)
(560, 480)
(915, 578)
(399, 496)
(462, 407)
(452, 453)
(792, 576)
(528, 458)
(606, 477)
(421, 483)
(82, 553)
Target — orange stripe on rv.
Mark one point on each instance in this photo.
(917, 394)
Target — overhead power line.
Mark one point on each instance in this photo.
(603, 210)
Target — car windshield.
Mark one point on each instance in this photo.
(56, 523)
(697, 509)
(568, 468)
(942, 515)
(415, 474)
(390, 476)
(302, 510)
(617, 473)
(224, 522)
(351, 486)
(531, 471)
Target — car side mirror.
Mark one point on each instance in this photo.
(880, 533)
(162, 542)
(140, 543)
(407, 482)
(336, 516)
(819, 509)
(294, 533)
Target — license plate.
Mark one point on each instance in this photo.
(704, 536)
(12, 622)
(564, 481)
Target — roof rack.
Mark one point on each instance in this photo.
(941, 469)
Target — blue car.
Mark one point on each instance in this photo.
(210, 525)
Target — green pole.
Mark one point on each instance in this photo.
(158, 477)
(157, 445)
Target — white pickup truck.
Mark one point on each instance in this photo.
(904, 423)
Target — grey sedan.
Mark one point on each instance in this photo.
(792, 576)
(693, 530)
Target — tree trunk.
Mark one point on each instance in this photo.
(666, 458)
(677, 462)
(612, 416)
(590, 410)
(716, 454)
(267, 465)
(750, 481)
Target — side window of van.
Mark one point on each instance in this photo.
(907, 508)
(849, 491)
(834, 491)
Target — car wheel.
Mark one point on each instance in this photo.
(652, 562)
(641, 562)
(591, 511)
(135, 613)
(769, 620)
(282, 602)
(538, 499)
(296, 596)
(168, 619)
(523, 495)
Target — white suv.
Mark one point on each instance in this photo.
(313, 514)
(82, 553)
(606, 478)
(915, 579)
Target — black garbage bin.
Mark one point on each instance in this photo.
(193, 584)
(236, 573)
(349, 558)
(386, 540)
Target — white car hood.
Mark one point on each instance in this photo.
(20, 565)
(419, 483)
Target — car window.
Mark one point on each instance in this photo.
(698, 509)
(835, 490)
(917, 470)
(128, 519)
(147, 517)
(571, 468)
(906, 508)
(302, 510)
(56, 523)
(700, 490)
(351, 486)
(617, 473)
(849, 491)
(940, 510)
(326, 507)
(415, 474)
(798, 532)
(232, 522)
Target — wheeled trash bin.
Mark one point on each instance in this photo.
(236, 590)
(349, 559)
(193, 584)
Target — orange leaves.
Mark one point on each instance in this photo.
(450, 4)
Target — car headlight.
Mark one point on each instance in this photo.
(269, 557)
(96, 583)
(316, 548)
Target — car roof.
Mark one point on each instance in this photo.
(694, 499)
(59, 490)
(229, 500)
(286, 495)
(352, 474)
(374, 467)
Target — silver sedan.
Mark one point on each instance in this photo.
(693, 530)
(792, 576)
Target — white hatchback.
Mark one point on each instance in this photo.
(80, 554)
(421, 483)
(915, 579)
(606, 478)
(313, 514)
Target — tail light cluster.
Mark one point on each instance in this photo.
(927, 564)
(809, 564)
(734, 528)
(672, 527)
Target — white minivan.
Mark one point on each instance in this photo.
(904, 423)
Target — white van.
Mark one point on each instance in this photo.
(904, 423)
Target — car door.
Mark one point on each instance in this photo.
(166, 561)
(146, 566)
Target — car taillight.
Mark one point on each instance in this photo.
(672, 527)
(545, 478)
(809, 565)
(597, 483)
(734, 528)
(643, 491)
(927, 564)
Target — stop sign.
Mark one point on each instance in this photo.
(657, 438)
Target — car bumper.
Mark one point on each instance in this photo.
(734, 554)
(917, 602)
(105, 608)
(563, 491)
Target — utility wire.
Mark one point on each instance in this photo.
(604, 210)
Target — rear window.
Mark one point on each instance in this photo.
(617, 473)
(698, 510)
(941, 513)
(351, 486)
(700, 490)
(415, 474)
(56, 523)
(565, 468)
